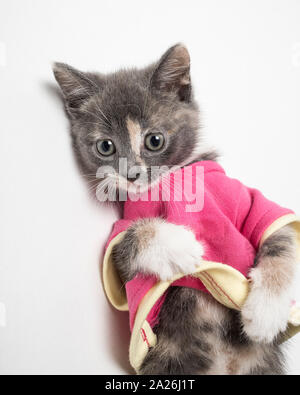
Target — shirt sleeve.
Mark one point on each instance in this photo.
(256, 214)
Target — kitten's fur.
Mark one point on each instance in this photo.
(196, 335)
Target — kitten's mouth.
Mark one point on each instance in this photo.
(135, 186)
(116, 187)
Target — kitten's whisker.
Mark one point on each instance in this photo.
(85, 111)
(100, 123)
(101, 112)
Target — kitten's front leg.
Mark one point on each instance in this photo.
(153, 246)
(266, 311)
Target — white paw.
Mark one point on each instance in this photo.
(264, 314)
(173, 250)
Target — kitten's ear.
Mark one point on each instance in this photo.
(76, 86)
(173, 72)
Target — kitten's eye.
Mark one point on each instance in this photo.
(155, 141)
(106, 147)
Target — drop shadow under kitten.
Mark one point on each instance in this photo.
(149, 116)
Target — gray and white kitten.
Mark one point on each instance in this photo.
(149, 116)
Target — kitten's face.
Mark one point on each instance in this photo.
(146, 116)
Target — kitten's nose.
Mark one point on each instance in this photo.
(133, 178)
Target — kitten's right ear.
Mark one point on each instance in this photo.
(77, 87)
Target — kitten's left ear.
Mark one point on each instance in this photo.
(76, 86)
(173, 72)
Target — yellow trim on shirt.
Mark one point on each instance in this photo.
(289, 219)
(112, 284)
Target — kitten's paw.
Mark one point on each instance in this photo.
(172, 250)
(264, 315)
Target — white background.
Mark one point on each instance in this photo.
(246, 72)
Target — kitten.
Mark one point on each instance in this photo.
(150, 117)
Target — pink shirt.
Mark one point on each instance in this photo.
(230, 224)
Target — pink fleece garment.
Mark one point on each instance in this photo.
(230, 225)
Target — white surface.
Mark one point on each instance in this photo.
(246, 70)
